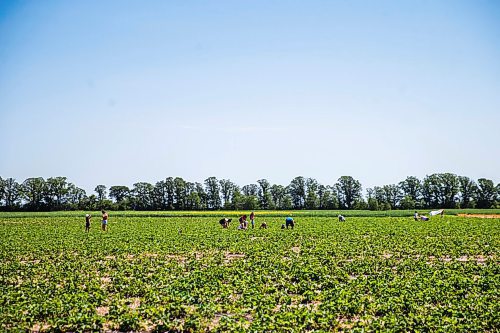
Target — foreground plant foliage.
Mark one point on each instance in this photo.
(188, 274)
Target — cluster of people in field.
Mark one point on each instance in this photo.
(104, 222)
(418, 217)
(225, 222)
(243, 220)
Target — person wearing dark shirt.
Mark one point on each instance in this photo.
(87, 222)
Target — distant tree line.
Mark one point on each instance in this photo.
(440, 190)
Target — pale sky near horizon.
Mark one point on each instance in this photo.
(116, 92)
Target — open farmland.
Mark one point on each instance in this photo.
(188, 274)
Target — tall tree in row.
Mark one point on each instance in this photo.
(486, 193)
(56, 189)
(212, 193)
(279, 196)
(431, 189)
(33, 190)
(349, 191)
(12, 194)
(142, 196)
(312, 199)
(264, 194)
(76, 197)
(121, 195)
(467, 190)
(449, 189)
(440, 190)
(169, 190)
(411, 187)
(101, 191)
(297, 190)
(249, 199)
(180, 193)
(392, 195)
(193, 198)
(227, 189)
(2, 191)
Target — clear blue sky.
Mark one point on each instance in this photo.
(116, 92)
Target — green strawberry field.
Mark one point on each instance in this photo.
(187, 274)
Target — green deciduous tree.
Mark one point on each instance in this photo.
(412, 187)
(449, 190)
(212, 189)
(486, 193)
(407, 203)
(76, 197)
(193, 200)
(56, 190)
(264, 195)
(250, 196)
(278, 193)
(468, 189)
(32, 190)
(312, 199)
(11, 193)
(392, 195)
(348, 191)
(297, 191)
(101, 193)
(121, 195)
(180, 193)
(142, 196)
(227, 188)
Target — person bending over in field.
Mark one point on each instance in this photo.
(289, 222)
(104, 224)
(424, 218)
(87, 222)
(341, 218)
(225, 222)
(243, 222)
(263, 225)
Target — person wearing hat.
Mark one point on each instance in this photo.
(87, 222)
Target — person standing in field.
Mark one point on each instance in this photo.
(104, 224)
(87, 222)
(252, 217)
(416, 216)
